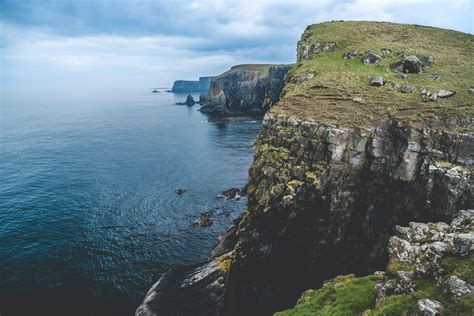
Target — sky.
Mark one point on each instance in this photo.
(104, 44)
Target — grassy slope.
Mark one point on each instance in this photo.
(328, 97)
(351, 295)
(262, 68)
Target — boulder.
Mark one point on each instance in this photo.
(233, 193)
(407, 89)
(445, 93)
(410, 64)
(434, 77)
(303, 78)
(405, 284)
(402, 250)
(382, 290)
(350, 55)
(427, 61)
(371, 58)
(376, 81)
(463, 219)
(180, 191)
(463, 243)
(427, 307)
(471, 90)
(394, 86)
(386, 52)
(456, 287)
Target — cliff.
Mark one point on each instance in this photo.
(339, 162)
(185, 86)
(245, 90)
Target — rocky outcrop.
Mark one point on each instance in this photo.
(245, 90)
(185, 86)
(407, 287)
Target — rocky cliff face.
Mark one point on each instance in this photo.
(339, 163)
(184, 86)
(245, 90)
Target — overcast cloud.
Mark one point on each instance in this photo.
(103, 44)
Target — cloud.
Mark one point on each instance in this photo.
(151, 43)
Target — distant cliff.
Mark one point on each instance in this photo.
(184, 86)
(245, 90)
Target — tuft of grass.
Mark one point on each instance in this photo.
(349, 295)
(395, 265)
(329, 96)
(463, 267)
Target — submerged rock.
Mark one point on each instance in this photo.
(205, 220)
(180, 191)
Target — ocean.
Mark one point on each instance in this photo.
(89, 217)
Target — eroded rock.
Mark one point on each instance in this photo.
(376, 81)
(427, 307)
(371, 58)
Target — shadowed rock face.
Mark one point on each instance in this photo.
(324, 201)
(245, 92)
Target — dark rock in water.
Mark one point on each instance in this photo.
(350, 55)
(189, 101)
(407, 89)
(377, 81)
(434, 77)
(180, 191)
(371, 58)
(155, 91)
(168, 90)
(205, 220)
(386, 52)
(235, 193)
(445, 93)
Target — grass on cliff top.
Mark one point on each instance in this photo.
(328, 98)
(262, 68)
(349, 295)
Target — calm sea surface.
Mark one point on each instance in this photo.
(89, 218)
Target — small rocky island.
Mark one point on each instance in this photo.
(360, 192)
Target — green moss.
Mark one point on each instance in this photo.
(349, 295)
(462, 306)
(329, 96)
(462, 267)
(394, 305)
(225, 261)
(395, 265)
(274, 156)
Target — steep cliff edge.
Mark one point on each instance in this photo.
(245, 90)
(340, 162)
